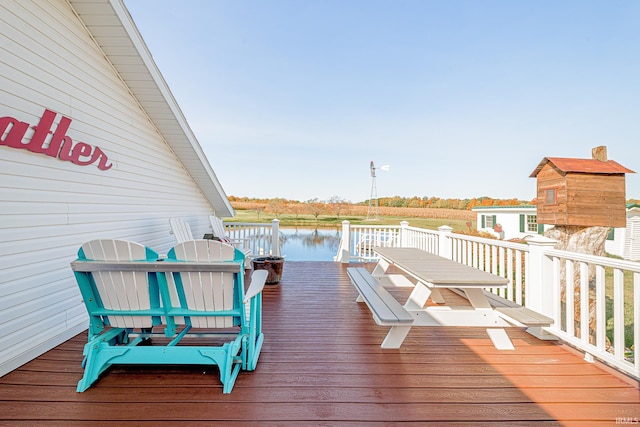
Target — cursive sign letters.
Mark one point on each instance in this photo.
(13, 132)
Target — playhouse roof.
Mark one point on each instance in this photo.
(571, 165)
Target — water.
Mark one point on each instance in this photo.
(306, 244)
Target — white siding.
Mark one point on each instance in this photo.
(508, 218)
(632, 238)
(49, 207)
(617, 245)
(626, 240)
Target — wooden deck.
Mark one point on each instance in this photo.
(322, 365)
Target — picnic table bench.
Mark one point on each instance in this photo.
(386, 310)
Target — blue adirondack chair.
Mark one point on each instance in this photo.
(128, 294)
(223, 293)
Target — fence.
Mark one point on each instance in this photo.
(260, 238)
(594, 301)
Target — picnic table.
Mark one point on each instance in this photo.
(429, 274)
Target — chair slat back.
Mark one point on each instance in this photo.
(121, 290)
(218, 228)
(180, 229)
(216, 291)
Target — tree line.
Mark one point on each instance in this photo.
(395, 202)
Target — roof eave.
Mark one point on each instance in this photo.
(151, 91)
(620, 170)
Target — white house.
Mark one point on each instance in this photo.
(508, 222)
(92, 145)
(517, 222)
(625, 241)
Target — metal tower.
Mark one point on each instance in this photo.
(372, 211)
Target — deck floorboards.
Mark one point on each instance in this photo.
(322, 364)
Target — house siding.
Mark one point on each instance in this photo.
(632, 241)
(626, 240)
(49, 207)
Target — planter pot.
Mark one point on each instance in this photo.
(273, 265)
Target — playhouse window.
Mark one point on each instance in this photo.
(550, 196)
(488, 221)
(532, 223)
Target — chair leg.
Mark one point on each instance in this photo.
(254, 345)
(97, 360)
(254, 339)
(230, 365)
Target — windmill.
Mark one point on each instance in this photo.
(372, 211)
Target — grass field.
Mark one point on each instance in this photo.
(433, 218)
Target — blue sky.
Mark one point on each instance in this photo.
(294, 98)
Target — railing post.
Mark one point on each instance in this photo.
(275, 237)
(344, 252)
(404, 234)
(445, 244)
(539, 289)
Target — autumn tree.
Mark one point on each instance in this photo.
(259, 209)
(277, 206)
(296, 208)
(338, 205)
(315, 208)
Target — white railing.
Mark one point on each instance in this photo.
(599, 313)
(357, 242)
(413, 237)
(505, 259)
(361, 240)
(260, 238)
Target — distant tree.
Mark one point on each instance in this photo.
(259, 210)
(338, 205)
(277, 206)
(296, 208)
(415, 202)
(315, 208)
(462, 204)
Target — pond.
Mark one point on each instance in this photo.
(306, 244)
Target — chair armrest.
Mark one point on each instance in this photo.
(243, 242)
(258, 278)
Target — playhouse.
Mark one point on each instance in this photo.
(582, 192)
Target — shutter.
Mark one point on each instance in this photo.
(612, 234)
(482, 220)
(540, 228)
(522, 223)
(494, 221)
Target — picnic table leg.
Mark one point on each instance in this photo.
(419, 296)
(381, 268)
(436, 296)
(395, 337)
(477, 298)
(479, 301)
(500, 339)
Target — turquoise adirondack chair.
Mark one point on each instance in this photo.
(223, 293)
(125, 303)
